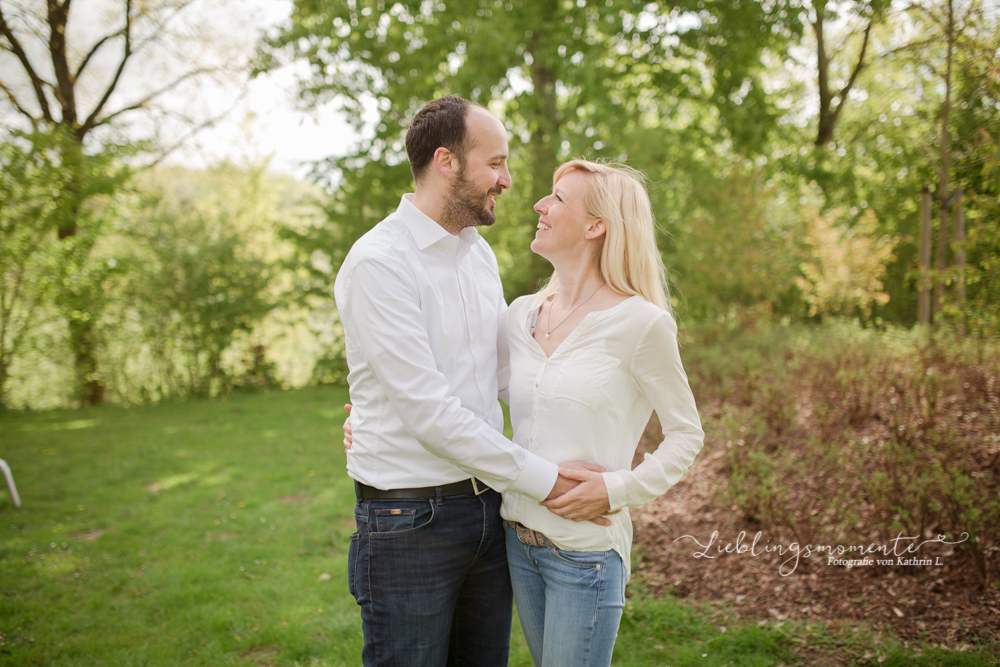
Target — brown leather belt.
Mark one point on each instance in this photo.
(528, 536)
(463, 487)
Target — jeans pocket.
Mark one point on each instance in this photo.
(588, 560)
(394, 519)
(399, 519)
(352, 564)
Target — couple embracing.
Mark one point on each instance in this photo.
(453, 519)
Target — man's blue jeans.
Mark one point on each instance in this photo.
(431, 578)
(569, 602)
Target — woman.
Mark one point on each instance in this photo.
(590, 357)
(582, 365)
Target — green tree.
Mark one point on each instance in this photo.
(891, 145)
(37, 192)
(54, 82)
(569, 78)
(202, 271)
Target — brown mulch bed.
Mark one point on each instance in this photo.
(941, 603)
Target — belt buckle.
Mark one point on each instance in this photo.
(475, 487)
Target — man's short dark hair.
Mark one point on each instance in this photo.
(441, 123)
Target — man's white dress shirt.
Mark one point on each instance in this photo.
(421, 309)
(590, 401)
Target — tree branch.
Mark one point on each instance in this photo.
(940, 20)
(198, 128)
(861, 63)
(126, 54)
(909, 46)
(17, 105)
(822, 60)
(149, 98)
(58, 16)
(161, 26)
(94, 50)
(854, 74)
(36, 81)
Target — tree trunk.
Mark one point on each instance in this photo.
(90, 387)
(544, 138)
(924, 262)
(960, 263)
(4, 363)
(944, 196)
(824, 132)
(831, 102)
(80, 300)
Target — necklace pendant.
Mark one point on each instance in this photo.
(546, 336)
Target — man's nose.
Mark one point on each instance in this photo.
(506, 180)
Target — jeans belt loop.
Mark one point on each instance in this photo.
(438, 498)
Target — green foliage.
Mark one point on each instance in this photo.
(199, 273)
(569, 78)
(150, 294)
(846, 271)
(734, 243)
(889, 149)
(703, 98)
(193, 291)
(47, 184)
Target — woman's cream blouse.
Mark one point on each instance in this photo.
(590, 401)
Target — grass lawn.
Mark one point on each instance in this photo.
(215, 533)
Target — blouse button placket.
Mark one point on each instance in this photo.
(534, 400)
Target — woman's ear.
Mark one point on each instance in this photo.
(595, 229)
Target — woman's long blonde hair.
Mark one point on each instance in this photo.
(629, 261)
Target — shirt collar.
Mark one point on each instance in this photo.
(426, 232)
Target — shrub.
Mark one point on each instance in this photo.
(841, 432)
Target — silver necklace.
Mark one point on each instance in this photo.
(551, 328)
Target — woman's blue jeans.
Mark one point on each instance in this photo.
(569, 602)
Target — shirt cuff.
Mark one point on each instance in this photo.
(537, 477)
(617, 495)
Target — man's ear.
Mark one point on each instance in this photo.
(445, 162)
(595, 229)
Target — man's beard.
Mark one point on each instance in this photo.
(466, 206)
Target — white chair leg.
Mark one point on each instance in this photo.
(10, 483)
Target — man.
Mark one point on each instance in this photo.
(420, 297)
